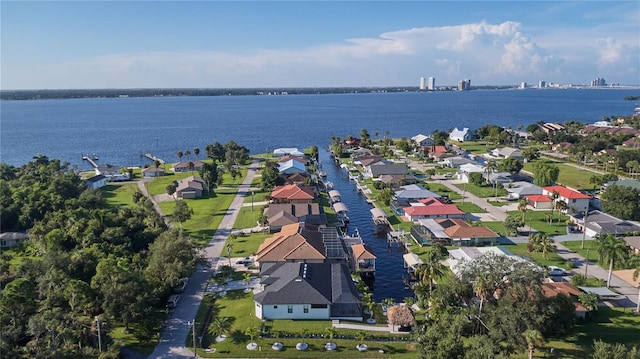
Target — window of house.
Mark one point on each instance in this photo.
(275, 307)
(305, 309)
(290, 309)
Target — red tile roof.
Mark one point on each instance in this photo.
(565, 192)
(538, 198)
(292, 192)
(434, 209)
(458, 228)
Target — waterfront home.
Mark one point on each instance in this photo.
(107, 170)
(290, 151)
(462, 233)
(550, 127)
(153, 172)
(364, 258)
(292, 193)
(299, 178)
(367, 160)
(506, 152)
(294, 243)
(461, 135)
(611, 130)
(190, 187)
(282, 214)
(459, 256)
(180, 167)
(553, 289)
(378, 169)
(413, 193)
(602, 223)
(633, 142)
(427, 232)
(423, 140)
(291, 167)
(307, 291)
(576, 201)
(519, 189)
(396, 181)
(10, 239)
(96, 182)
(432, 208)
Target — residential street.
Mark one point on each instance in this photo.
(173, 337)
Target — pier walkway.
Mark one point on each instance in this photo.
(154, 158)
(90, 160)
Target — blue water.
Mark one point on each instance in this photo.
(389, 263)
(119, 130)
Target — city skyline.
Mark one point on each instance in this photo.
(210, 44)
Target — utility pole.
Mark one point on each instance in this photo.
(586, 263)
(193, 323)
(99, 335)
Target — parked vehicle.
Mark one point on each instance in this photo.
(172, 302)
(182, 284)
(556, 271)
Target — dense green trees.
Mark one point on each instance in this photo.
(545, 174)
(84, 258)
(622, 202)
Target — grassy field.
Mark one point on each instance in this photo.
(443, 191)
(590, 250)
(119, 194)
(569, 175)
(520, 249)
(538, 221)
(258, 196)
(470, 207)
(497, 227)
(248, 218)
(207, 214)
(246, 245)
(478, 147)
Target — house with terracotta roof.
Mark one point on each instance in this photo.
(292, 193)
(319, 291)
(462, 233)
(184, 166)
(282, 214)
(190, 187)
(553, 289)
(153, 172)
(294, 243)
(432, 208)
(539, 201)
(299, 178)
(633, 142)
(551, 127)
(576, 201)
(364, 258)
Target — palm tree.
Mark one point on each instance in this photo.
(560, 207)
(179, 154)
(534, 338)
(219, 326)
(196, 151)
(246, 278)
(589, 301)
(553, 196)
(252, 332)
(430, 270)
(611, 249)
(188, 154)
(482, 288)
(522, 206)
(489, 168)
(545, 245)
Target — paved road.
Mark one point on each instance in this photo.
(173, 337)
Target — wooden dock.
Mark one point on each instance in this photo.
(154, 158)
(91, 160)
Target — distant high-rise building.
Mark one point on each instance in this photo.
(464, 85)
(432, 84)
(523, 85)
(423, 84)
(542, 84)
(598, 82)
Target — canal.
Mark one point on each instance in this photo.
(389, 263)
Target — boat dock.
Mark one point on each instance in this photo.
(91, 159)
(154, 158)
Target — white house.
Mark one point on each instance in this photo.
(9, 239)
(461, 135)
(307, 291)
(96, 182)
(291, 151)
(291, 167)
(507, 152)
(423, 140)
(467, 169)
(575, 201)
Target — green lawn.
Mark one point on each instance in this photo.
(246, 245)
(258, 196)
(483, 191)
(248, 218)
(520, 249)
(538, 221)
(443, 191)
(569, 176)
(589, 250)
(119, 194)
(497, 227)
(159, 185)
(207, 214)
(478, 147)
(470, 207)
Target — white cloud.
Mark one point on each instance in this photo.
(504, 53)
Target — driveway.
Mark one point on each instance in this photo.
(174, 335)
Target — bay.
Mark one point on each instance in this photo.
(120, 130)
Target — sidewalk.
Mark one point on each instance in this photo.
(174, 336)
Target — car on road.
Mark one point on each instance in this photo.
(556, 271)
(182, 284)
(244, 261)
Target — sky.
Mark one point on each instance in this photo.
(249, 44)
